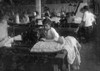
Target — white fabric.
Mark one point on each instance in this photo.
(70, 45)
(8, 42)
(77, 20)
(88, 18)
(55, 19)
(46, 47)
(17, 38)
(52, 34)
(17, 20)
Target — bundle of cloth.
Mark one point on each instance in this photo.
(69, 43)
(7, 41)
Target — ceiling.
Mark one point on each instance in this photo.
(32, 2)
(27, 2)
(18, 2)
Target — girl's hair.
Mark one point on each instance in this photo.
(86, 8)
(47, 21)
(46, 14)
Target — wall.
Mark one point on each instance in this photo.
(62, 7)
(9, 9)
(79, 14)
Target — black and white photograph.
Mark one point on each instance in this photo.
(49, 35)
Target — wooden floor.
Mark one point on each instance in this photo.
(90, 62)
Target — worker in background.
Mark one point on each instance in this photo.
(88, 20)
(25, 19)
(17, 19)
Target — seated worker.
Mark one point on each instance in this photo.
(5, 40)
(50, 32)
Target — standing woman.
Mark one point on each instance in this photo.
(87, 22)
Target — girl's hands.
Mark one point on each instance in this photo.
(43, 39)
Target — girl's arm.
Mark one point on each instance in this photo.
(55, 34)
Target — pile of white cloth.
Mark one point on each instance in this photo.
(73, 47)
(70, 44)
(7, 41)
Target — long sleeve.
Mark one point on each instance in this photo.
(55, 34)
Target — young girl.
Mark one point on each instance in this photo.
(50, 33)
